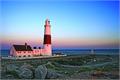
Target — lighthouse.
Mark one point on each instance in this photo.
(26, 50)
(47, 38)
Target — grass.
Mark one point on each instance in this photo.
(14, 73)
(55, 64)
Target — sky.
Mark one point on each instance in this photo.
(74, 24)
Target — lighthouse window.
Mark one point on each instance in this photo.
(49, 22)
(34, 47)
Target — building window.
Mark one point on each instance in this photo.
(28, 55)
(18, 51)
(24, 56)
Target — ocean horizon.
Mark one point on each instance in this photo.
(6, 52)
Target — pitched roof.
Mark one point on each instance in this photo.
(22, 47)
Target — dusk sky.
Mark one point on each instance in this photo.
(74, 24)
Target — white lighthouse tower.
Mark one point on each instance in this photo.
(47, 38)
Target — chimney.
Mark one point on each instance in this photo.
(26, 46)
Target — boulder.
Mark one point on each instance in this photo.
(12, 71)
(11, 67)
(28, 66)
(40, 72)
(25, 73)
(52, 75)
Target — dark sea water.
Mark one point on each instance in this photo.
(76, 51)
(88, 51)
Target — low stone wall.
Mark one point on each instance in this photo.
(32, 57)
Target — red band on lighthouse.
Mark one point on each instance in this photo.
(47, 39)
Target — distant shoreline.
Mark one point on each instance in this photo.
(5, 53)
(80, 49)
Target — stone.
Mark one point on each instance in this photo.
(11, 67)
(28, 66)
(52, 74)
(25, 73)
(40, 72)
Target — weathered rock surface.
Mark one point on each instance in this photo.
(40, 72)
(11, 67)
(28, 66)
(25, 73)
(52, 75)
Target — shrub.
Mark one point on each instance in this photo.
(14, 73)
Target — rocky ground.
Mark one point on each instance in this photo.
(68, 67)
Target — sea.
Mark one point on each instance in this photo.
(5, 53)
